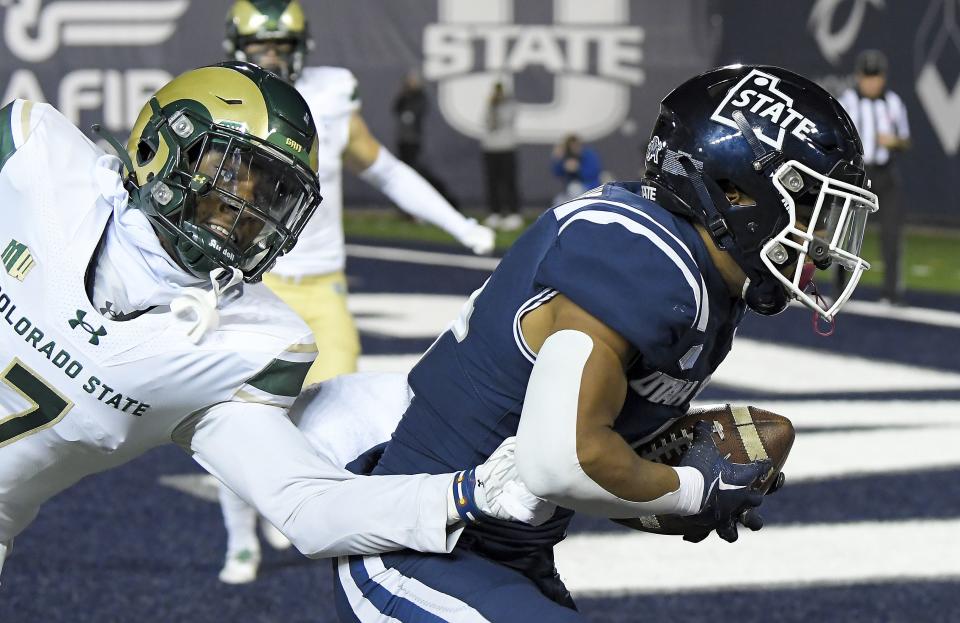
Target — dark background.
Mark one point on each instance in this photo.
(381, 40)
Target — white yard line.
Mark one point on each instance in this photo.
(432, 258)
(920, 315)
(778, 368)
(787, 556)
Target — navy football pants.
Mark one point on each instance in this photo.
(461, 587)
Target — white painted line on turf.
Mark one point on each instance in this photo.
(202, 486)
(871, 438)
(747, 367)
(432, 258)
(777, 368)
(788, 556)
(827, 455)
(405, 315)
(386, 363)
(867, 413)
(920, 315)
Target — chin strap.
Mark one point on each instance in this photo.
(821, 326)
(198, 306)
(762, 292)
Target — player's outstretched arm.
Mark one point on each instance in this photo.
(567, 450)
(325, 510)
(365, 156)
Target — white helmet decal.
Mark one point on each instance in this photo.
(769, 111)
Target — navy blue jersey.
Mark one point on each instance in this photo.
(630, 263)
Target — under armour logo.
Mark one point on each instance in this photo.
(110, 311)
(95, 334)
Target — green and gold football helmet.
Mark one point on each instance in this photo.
(224, 162)
(270, 33)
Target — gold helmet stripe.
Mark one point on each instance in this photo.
(293, 17)
(232, 99)
(247, 19)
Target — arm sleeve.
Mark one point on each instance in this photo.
(257, 452)
(546, 450)
(18, 119)
(413, 194)
(650, 291)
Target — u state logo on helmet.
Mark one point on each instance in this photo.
(224, 162)
(769, 111)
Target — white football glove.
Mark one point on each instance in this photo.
(494, 489)
(477, 238)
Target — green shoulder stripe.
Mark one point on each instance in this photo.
(281, 378)
(7, 146)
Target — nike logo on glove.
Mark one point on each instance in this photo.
(725, 487)
(718, 482)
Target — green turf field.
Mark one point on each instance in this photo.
(932, 257)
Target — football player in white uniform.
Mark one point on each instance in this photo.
(274, 35)
(130, 314)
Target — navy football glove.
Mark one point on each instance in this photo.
(730, 494)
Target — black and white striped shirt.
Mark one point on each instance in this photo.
(884, 115)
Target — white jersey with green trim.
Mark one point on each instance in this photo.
(80, 393)
(331, 93)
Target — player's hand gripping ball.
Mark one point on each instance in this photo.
(741, 435)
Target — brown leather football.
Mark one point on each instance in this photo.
(742, 434)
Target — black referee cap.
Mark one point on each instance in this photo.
(872, 63)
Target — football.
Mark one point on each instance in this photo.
(742, 434)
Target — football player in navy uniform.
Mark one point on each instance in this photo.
(603, 322)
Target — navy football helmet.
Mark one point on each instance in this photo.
(786, 146)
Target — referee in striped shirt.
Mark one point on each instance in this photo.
(881, 119)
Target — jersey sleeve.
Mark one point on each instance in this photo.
(636, 278)
(279, 382)
(350, 91)
(323, 509)
(18, 119)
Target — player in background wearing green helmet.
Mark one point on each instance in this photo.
(274, 35)
(135, 317)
